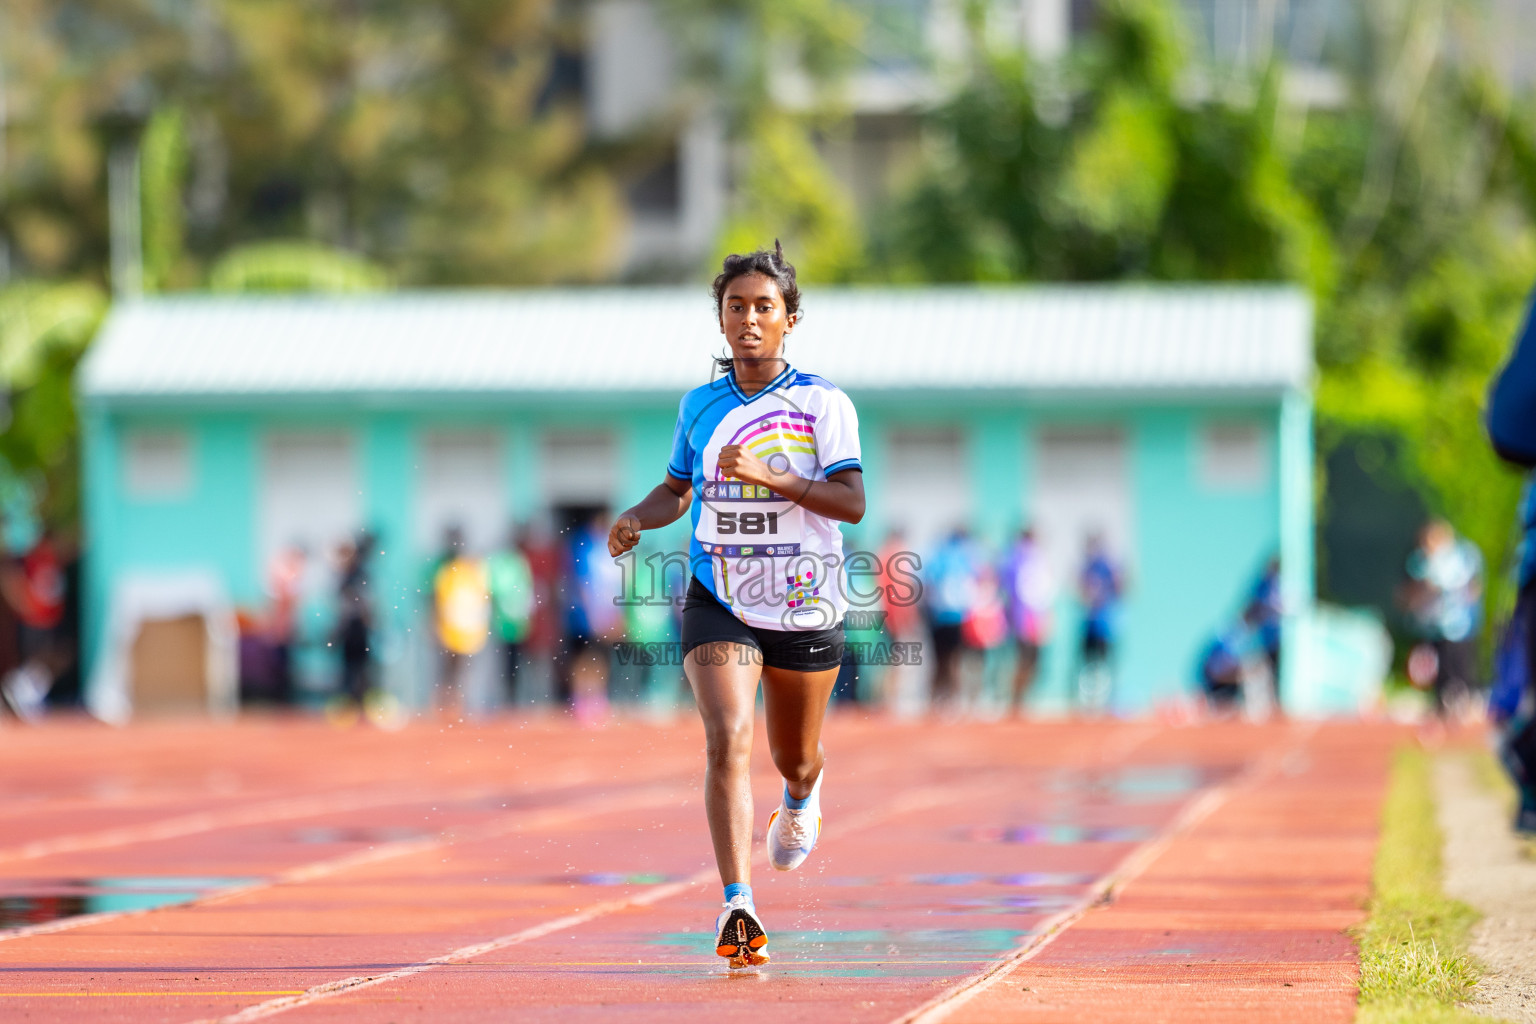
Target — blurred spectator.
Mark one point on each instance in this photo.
(1100, 587)
(545, 622)
(66, 690)
(34, 588)
(985, 628)
(1221, 670)
(900, 592)
(285, 584)
(651, 622)
(951, 592)
(1232, 667)
(1264, 611)
(354, 618)
(1518, 748)
(1512, 430)
(594, 619)
(512, 604)
(1444, 597)
(462, 613)
(1029, 592)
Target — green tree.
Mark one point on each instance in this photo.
(1409, 212)
(44, 328)
(433, 140)
(741, 57)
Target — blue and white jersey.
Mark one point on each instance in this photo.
(774, 564)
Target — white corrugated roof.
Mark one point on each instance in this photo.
(1059, 338)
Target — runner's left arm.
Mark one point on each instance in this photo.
(666, 504)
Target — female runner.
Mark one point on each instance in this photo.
(767, 458)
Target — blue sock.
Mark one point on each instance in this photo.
(738, 889)
(792, 803)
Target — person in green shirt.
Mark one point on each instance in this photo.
(511, 586)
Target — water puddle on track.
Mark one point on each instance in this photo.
(320, 834)
(1056, 834)
(874, 953)
(30, 901)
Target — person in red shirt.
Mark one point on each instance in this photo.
(33, 585)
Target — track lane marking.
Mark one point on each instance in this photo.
(98, 995)
(574, 772)
(1200, 807)
(211, 821)
(549, 818)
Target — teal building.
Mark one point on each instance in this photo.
(1174, 421)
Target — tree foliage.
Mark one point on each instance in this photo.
(44, 328)
(435, 140)
(1408, 211)
(771, 69)
(293, 267)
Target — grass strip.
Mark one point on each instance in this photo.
(1414, 964)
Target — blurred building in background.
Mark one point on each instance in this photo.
(220, 433)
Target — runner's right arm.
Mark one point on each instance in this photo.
(665, 504)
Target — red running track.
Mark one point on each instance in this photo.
(534, 871)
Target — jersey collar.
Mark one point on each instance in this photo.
(777, 382)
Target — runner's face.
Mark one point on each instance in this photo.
(754, 320)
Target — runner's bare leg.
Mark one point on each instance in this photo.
(724, 678)
(796, 703)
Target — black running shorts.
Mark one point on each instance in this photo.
(707, 621)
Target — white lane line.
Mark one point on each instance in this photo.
(521, 821)
(347, 985)
(1104, 890)
(286, 808)
(209, 821)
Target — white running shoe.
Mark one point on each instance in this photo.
(792, 835)
(739, 934)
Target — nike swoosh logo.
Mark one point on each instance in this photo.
(818, 650)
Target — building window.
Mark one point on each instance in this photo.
(309, 496)
(1081, 490)
(579, 469)
(1232, 457)
(157, 465)
(926, 485)
(462, 484)
(658, 191)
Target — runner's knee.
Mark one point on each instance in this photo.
(796, 765)
(728, 744)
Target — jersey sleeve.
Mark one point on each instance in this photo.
(837, 435)
(680, 464)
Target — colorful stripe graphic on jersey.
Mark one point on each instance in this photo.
(776, 433)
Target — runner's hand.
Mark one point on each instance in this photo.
(736, 461)
(624, 535)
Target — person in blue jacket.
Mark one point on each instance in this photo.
(1512, 429)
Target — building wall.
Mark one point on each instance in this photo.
(1198, 544)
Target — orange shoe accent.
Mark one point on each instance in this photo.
(748, 959)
